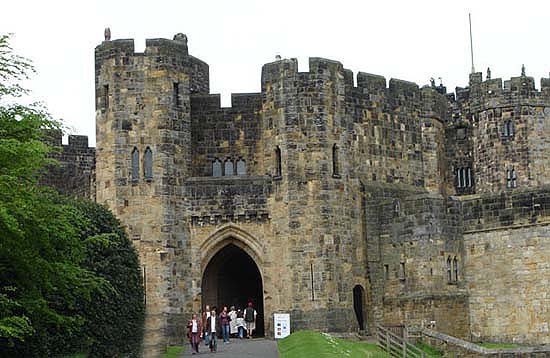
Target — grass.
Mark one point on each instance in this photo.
(498, 345)
(305, 344)
(172, 352)
(432, 351)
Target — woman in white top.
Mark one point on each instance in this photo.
(233, 321)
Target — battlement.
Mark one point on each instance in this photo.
(494, 92)
(367, 83)
(153, 47)
(239, 102)
(158, 53)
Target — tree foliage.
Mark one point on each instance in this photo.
(67, 270)
(114, 320)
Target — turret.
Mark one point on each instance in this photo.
(143, 129)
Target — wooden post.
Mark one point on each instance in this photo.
(404, 349)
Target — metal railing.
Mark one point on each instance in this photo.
(397, 346)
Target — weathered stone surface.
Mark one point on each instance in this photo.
(329, 187)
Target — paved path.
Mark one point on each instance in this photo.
(246, 348)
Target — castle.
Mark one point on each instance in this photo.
(344, 205)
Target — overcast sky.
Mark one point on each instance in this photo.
(410, 40)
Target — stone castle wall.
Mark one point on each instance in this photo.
(343, 186)
(74, 173)
(507, 250)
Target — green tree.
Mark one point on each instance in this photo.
(70, 278)
(114, 320)
(41, 279)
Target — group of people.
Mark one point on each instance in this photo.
(238, 323)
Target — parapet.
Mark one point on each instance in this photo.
(401, 87)
(319, 65)
(153, 47)
(240, 102)
(162, 53)
(371, 82)
(52, 137)
(78, 141)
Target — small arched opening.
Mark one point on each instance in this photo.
(359, 306)
(232, 278)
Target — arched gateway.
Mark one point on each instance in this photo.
(231, 274)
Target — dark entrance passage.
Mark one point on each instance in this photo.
(233, 279)
(358, 302)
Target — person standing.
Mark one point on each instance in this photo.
(224, 321)
(240, 323)
(233, 322)
(194, 327)
(250, 319)
(212, 326)
(204, 317)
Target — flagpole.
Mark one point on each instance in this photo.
(471, 42)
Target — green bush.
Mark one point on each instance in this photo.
(114, 319)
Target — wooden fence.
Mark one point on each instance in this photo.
(397, 346)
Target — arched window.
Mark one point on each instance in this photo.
(217, 168)
(469, 177)
(335, 162)
(241, 167)
(402, 273)
(455, 269)
(508, 129)
(228, 167)
(449, 270)
(135, 164)
(148, 164)
(396, 208)
(278, 164)
(511, 178)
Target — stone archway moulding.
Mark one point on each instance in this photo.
(231, 234)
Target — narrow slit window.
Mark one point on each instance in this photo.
(402, 271)
(455, 269)
(228, 167)
(387, 272)
(469, 177)
(511, 178)
(449, 270)
(135, 164)
(176, 94)
(148, 164)
(335, 162)
(241, 167)
(105, 97)
(217, 168)
(278, 164)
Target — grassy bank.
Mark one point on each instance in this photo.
(172, 352)
(305, 344)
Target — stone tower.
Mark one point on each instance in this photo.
(143, 135)
(316, 207)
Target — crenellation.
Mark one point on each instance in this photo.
(385, 196)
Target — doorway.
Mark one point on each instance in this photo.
(232, 278)
(358, 305)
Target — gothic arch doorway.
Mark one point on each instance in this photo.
(232, 278)
(359, 306)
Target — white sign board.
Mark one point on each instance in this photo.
(281, 322)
